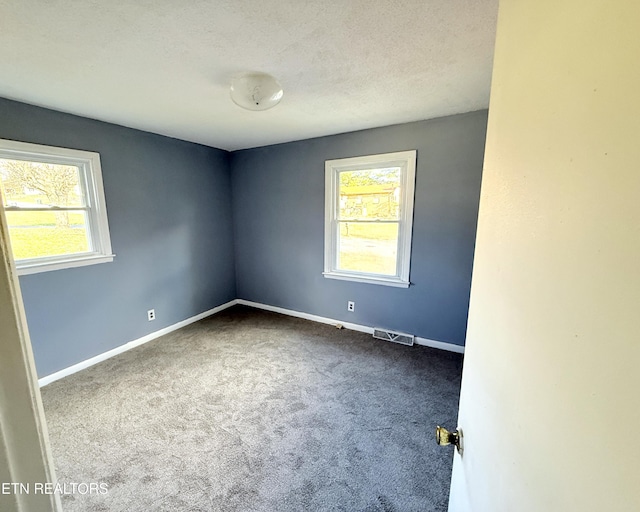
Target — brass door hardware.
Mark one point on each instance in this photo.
(444, 438)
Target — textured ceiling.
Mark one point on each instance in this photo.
(165, 66)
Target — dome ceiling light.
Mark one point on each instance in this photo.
(256, 91)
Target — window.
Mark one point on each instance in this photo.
(55, 208)
(368, 218)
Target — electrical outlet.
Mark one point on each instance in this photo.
(151, 314)
(351, 306)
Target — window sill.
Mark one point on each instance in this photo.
(79, 261)
(386, 281)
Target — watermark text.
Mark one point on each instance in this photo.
(60, 488)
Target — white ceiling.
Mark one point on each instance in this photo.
(165, 66)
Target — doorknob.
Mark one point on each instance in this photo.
(444, 438)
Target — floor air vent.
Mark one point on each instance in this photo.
(396, 337)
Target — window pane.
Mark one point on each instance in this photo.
(368, 247)
(369, 194)
(38, 234)
(35, 184)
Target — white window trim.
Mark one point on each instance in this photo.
(91, 172)
(406, 160)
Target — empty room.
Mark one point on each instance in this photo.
(319, 256)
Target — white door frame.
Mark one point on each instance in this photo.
(25, 455)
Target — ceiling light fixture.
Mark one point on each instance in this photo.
(256, 91)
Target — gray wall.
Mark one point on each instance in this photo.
(169, 211)
(278, 212)
(178, 210)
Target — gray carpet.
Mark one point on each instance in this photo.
(254, 411)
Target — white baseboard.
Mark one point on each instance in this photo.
(289, 312)
(450, 347)
(132, 344)
(442, 345)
